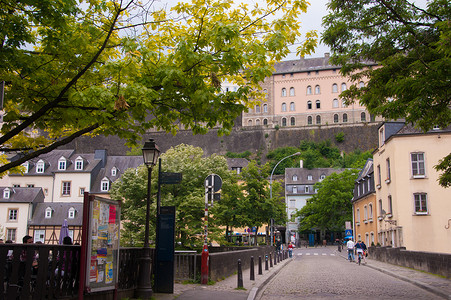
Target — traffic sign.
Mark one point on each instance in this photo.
(348, 232)
(214, 181)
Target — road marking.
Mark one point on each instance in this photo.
(315, 253)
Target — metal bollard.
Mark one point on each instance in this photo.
(270, 260)
(266, 263)
(240, 275)
(275, 258)
(252, 277)
(260, 271)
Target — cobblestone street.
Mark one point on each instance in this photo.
(319, 273)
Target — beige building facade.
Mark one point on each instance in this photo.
(413, 209)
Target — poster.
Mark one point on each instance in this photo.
(103, 243)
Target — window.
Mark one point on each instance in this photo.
(11, 234)
(237, 169)
(309, 90)
(40, 166)
(12, 214)
(6, 193)
(39, 236)
(421, 207)
(292, 91)
(309, 177)
(335, 118)
(249, 123)
(257, 122)
(284, 121)
(16, 185)
(380, 206)
(343, 87)
(318, 104)
(417, 164)
(345, 118)
(335, 103)
(62, 164)
(309, 120)
(294, 178)
(257, 108)
(283, 75)
(79, 163)
(105, 185)
(26, 165)
(295, 190)
(307, 189)
(370, 212)
(265, 108)
(322, 177)
(388, 171)
(318, 119)
(334, 88)
(317, 89)
(71, 213)
(379, 181)
(292, 108)
(390, 205)
(358, 216)
(265, 91)
(284, 106)
(292, 203)
(381, 137)
(46, 192)
(363, 117)
(365, 213)
(114, 171)
(48, 212)
(265, 121)
(309, 104)
(81, 191)
(30, 185)
(292, 121)
(65, 191)
(284, 92)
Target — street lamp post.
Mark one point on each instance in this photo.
(270, 190)
(144, 291)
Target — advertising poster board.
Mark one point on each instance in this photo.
(102, 251)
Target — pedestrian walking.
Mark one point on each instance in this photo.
(290, 249)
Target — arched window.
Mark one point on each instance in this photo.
(309, 104)
(335, 103)
(370, 211)
(257, 108)
(363, 117)
(48, 212)
(62, 163)
(292, 121)
(105, 185)
(79, 163)
(249, 123)
(318, 104)
(284, 92)
(292, 91)
(343, 87)
(265, 121)
(40, 166)
(334, 88)
(265, 108)
(266, 93)
(336, 118)
(292, 108)
(365, 213)
(309, 120)
(295, 177)
(257, 122)
(114, 171)
(309, 90)
(6, 193)
(284, 121)
(318, 119)
(317, 89)
(71, 213)
(345, 118)
(284, 106)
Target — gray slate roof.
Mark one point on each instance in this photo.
(237, 162)
(367, 170)
(60, 212)
(303, 174)
(23, 195)
(306, 65)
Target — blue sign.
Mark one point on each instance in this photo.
(348, 232)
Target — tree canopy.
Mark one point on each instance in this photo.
(411, 46)
(122, 67)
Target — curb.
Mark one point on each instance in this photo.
(255, 290)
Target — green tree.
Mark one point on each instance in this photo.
(411, 47)
(75, 68)
(331, 206)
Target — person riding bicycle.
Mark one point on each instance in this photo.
(361, 248)
(350, 246)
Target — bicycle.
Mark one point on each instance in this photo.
(359, 254)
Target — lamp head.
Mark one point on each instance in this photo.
(150, 153)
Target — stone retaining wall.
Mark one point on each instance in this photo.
(435, 263)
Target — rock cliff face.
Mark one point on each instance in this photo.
(254, 139)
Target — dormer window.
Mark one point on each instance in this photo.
(40, 166)
(62, 163)
(26, 165)
(48, 212)
(105, 185)
(322, 177)
(295, 190)
(79, 163)
(71, 213)
(6, 193)
(113, 171)
(309, 177)
(295, 177)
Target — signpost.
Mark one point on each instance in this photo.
(213, 184)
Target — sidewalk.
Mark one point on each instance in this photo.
(225, 289)
(432, 283)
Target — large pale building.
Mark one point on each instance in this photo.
(413, 210)
(305, 92)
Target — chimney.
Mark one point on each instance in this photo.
(301, 164)
(326, 55)
(102, 155)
